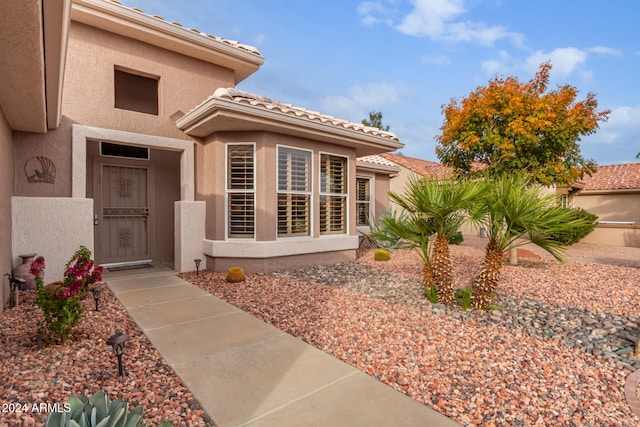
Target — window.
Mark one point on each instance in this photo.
(119, 150)
(564, 200)
(333, 194)
(294, 192)
(363, 201)
(240, 191)
(136, 93)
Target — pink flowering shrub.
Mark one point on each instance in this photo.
(61, 310)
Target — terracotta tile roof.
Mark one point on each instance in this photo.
(378, 162)
(254, 100)
(233, 43)
(625, 176)
(421, 167)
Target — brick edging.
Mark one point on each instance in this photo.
(630, 387)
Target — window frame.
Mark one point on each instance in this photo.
(368, 202)
(229, 191)
(308, 193)
(322, 194)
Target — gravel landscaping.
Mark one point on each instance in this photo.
(31, 377)
(557, 354)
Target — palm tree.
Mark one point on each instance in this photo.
(515, 213)
(436, 207)
(416, 231)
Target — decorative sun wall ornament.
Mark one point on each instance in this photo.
(40, 169)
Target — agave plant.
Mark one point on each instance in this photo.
(97, 411)
(514, 212)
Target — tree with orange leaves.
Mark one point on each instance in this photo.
(511, 126)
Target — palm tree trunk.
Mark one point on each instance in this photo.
(427, 275)
(442, 271)
(486, 282)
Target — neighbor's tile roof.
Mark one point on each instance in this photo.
(254, 100)
(377, 159)
(233, 43)
(624, 176)
(421, 167)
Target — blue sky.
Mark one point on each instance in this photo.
(406, 58)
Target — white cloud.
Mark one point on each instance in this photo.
(363, 99)
(564, 60)
(603, 50)
(620, 134)
(371, 12)
(441, 20)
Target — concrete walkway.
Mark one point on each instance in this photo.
(244, 372)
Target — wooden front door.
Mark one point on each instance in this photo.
(123, 213)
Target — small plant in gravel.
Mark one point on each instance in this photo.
(431, 294)
(97, 411)
(61, 306)
(463, 296)
(382, 255)
(235, 275)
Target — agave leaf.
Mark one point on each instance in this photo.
(56, 419)
(75, 405)
(73, 423)
(119, 416)
(134, 418)
(165, 423)
(101, 402)
(106, 421)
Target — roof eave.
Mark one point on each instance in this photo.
(56, 31)
(366, 166)
(130, 23)
(222, 115)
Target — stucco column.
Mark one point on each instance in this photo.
(189, 235)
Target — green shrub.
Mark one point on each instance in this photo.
(382, 236)
(60, 304)
(98, 410)
(456, 239)
(431, 294)
(382, 255)
(575, 234)
(463, 296)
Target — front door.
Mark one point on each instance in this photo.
(123, 213)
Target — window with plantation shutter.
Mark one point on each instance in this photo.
(240, 191)
(363, 201)
(294, 192)
(333, 194)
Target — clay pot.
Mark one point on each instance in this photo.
(22, 271)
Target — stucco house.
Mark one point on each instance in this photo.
(612, 193)
(126, 133)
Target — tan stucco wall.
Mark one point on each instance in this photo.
(89, 83)
(6, 191)
(612, 207)
(41, 225)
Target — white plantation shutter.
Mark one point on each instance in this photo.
(333, 194)
(240, 191)
(294, 192)
(363, 200)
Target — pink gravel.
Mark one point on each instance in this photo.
(473, 373)
(84, 365)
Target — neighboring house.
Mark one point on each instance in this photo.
(612, 193)
(411, 167)
(125, 133)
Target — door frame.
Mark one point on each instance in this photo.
(190, 211)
